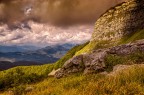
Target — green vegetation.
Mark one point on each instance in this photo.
(127, 82)
(86, 49)
(94, 45)
(23, 75)
(112, 60)
(133, 37)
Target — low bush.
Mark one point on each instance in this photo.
(112, 60)
(17, 77)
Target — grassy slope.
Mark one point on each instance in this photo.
(105, 44)
(92, 46)
(133, 37)
(128, 82)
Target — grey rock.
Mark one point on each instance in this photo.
(53, 72)
(59, 74)
(75, 61)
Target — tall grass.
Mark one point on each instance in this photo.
(132, 37)
(23, 75)
(127, 82)
(112, 60)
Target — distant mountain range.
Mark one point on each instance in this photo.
(15, 48)
(11, 56)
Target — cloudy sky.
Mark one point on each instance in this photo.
(46, 22)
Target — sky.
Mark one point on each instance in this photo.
(49, 22)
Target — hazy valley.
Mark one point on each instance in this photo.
(12, 56)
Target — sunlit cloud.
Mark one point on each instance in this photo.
(45, 34)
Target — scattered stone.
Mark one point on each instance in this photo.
(53, 72)
(10, 92)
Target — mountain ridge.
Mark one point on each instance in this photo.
(30, 56)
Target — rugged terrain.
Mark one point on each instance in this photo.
(98, 60)
(118, 26)
(110, 64)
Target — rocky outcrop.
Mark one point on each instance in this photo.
(95, 62)
(119, 21)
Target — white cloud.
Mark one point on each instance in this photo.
(45, 34)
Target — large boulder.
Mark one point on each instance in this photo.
(87, 63)
(128, 48)
(94, 62)
(71, 66)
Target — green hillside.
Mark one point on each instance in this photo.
(126, 82)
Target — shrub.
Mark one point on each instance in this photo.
(112, 60)
(137, 57)
(19, 90)
(17, 77)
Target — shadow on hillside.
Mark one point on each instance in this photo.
(135, 21)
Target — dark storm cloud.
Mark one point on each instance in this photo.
(11, 11)
(57, 12)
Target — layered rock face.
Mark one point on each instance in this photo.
(95, 61)
(120, 21)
